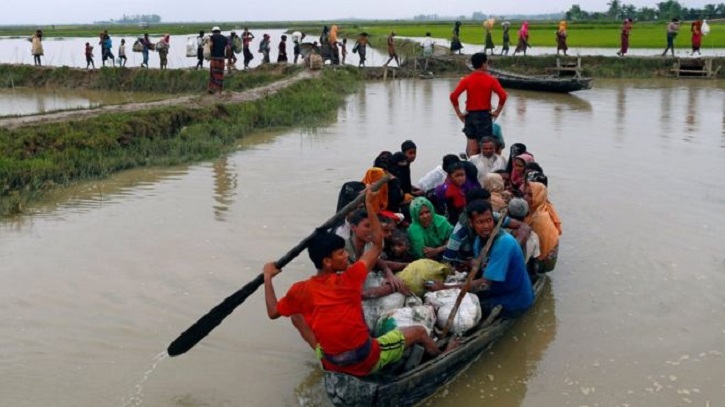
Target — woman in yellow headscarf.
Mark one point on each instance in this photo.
(544, 220)
(561, 38)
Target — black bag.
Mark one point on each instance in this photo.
(355, 47)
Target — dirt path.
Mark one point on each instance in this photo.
(191, 101)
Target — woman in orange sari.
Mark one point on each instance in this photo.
(544, 220)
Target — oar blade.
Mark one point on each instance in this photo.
(189, 338)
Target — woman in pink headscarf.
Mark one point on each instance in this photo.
(518, 178)
(523, 38)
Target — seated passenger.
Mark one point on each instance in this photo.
(428, 231)
(518, 178)
(519, 209)
(544, 220)
(453, 191)
(409, 150)
(487, 161)
(459, 250)
(399, 250)
(494, 184)
(437, 176)
(330, 304)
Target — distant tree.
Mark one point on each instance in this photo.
(628, 10)
(615, 9)
(574, 13)
(646, 14)
(669, 9)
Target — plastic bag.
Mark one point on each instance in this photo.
(191, 47)
(237, 45)
(415, 274)
(207, 49)
(137, 45)
(468, 315)
(375, 307)
(423, 315)
(705, 27)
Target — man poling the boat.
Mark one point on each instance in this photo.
(330, 304)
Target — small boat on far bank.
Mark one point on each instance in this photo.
(542, 83)
(422, 381)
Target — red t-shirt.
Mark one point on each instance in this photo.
(478, 87)
(332, 306)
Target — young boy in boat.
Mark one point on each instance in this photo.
(330, 304)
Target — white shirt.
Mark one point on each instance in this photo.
(432, 179)
(486, 165)
(428, 46)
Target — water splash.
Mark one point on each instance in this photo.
(136, 397)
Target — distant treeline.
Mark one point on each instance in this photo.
(665, 10)
(135, 19)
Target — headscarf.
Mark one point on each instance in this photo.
(401, 169)
(543, 219)
(516, 149)
(524, 31)
(166, 38)
(371, 176)
(332, 35)
(506, 26)
(562, 26)
(494, 184)
(696, 27)
(434, 235)
(518, 179)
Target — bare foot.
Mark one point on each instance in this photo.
(454, 343)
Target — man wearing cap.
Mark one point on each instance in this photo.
(479, 87)
(488, 160)
(216, 64)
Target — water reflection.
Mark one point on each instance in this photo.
(691, 118)
(27, 101)
(225, 187)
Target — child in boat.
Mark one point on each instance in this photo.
(453, 191)
(330, 305)
(398, 251)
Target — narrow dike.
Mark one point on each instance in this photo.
(45, 151)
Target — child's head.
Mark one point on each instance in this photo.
(449, 159)
(399, 243)
(344, 40)
(328, 249)
(457, 173)
(284, 38)
(409, 149)
(123, 40)
(360, 225)
(87, 44)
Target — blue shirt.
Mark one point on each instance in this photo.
(506, 270)
(460, 243)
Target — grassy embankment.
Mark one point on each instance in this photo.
(36, 158)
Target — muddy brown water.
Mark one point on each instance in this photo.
(99, 278)
(30, 101)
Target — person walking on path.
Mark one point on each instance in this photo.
(696, 29)
(488, 26)
(343, 50)
(561, 38)
(247, 38)
(282, 50)
(163, 49)
(361, 47)
(672, 29)
(624, 39)
(523, 39)
(506, 39)
(264, 48)
(89, 56)
(229, 52)
(200, 50)
(122, 53)
(391, 49)
(216, 63)
(106, 48)
(456, 40)
(36, 47)
(479, 87)
(147, 45)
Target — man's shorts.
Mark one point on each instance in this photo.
(392, 345)
(478, 125)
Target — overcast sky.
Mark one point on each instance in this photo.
(36, 12)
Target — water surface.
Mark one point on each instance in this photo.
(99, 278)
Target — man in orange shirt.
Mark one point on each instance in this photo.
(478, 86)
(331, 305)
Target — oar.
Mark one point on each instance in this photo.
(474, 270)
(208, 322)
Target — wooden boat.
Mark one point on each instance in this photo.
(418, 383)
(543, 83)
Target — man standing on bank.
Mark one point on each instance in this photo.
(479, 87)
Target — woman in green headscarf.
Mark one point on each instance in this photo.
(428, 231)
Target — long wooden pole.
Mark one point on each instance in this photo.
(477, 262)
(201, 328)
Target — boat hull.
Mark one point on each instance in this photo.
(541, 83)
(411, 387)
